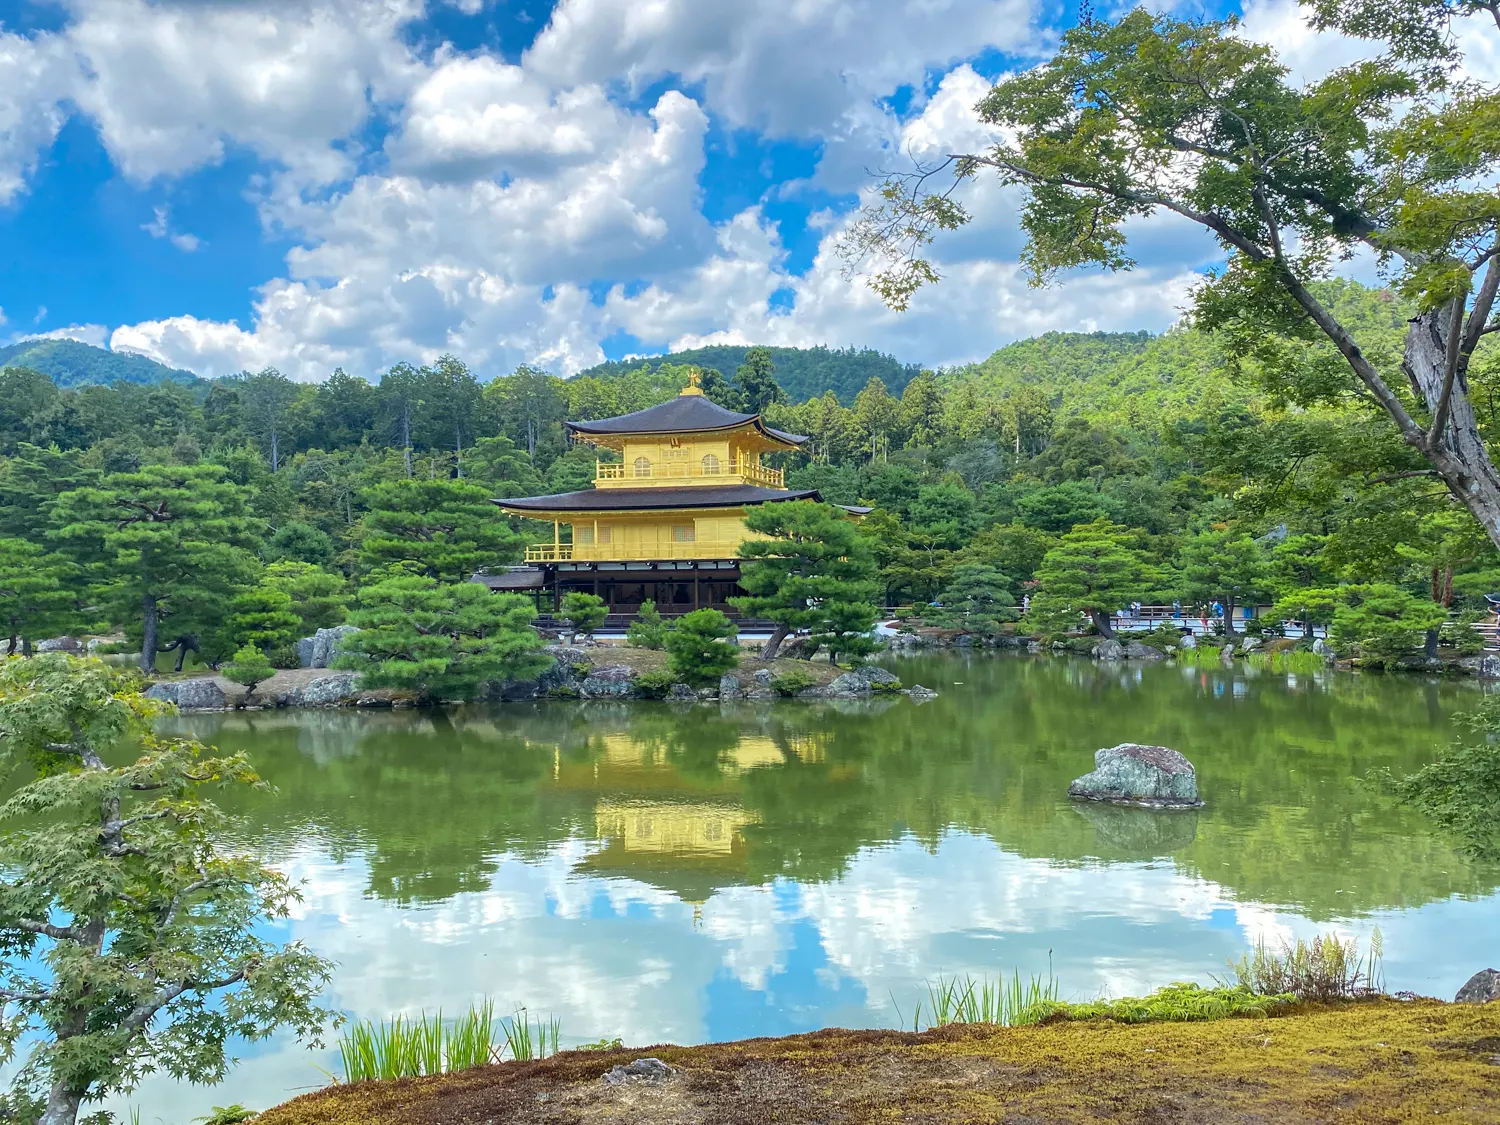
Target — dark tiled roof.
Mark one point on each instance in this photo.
(683, 414)
(513, 578)
(646, 499)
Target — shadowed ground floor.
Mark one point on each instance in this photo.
(1381, 1061)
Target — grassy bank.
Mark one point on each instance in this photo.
(1374, 1061)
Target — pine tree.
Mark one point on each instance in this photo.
(585, 612)
(440, 641)
(647, 630)
(166, 544)
(262, 617)
(807, 568)
(1095, 570)
(447, 529)
(699, 648)
(35, 597)
(317, 596)
(755, 380)
(249, 668)
(978, 597)
(1224, 566)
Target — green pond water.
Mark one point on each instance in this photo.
(703, 874)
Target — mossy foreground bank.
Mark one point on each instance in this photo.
(1382, 1061)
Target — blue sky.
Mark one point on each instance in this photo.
(228, 184)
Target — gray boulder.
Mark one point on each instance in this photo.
(614, 681)
(1249, 644)
(190, 695)
(1481, 988)
(1485, 667)
(862, 681)
(305, 652)
(1226, 655)
(1323, 649)
(1135, 650)
(920, 694)
(1188, 641)
(730, 687)
(1132, 774)
(70, 645)
(682, 693)
(642, 1070)
(1109, 649)
(758, 694)
(763, 676)
(326, 644)
(325, 691)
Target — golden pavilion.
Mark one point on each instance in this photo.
(666, 520)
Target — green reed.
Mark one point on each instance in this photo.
(1010, 1003)
(406, 1047)
(528, 1042)
(1299, 661)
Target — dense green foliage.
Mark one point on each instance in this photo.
(811, 572)
(646, 628)
(701, 648)
(584, 612)
(440, 641)
(802, 372)
(132, 939)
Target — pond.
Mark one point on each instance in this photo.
(702, 874)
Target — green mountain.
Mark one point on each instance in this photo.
(802, 372)
(73, 364)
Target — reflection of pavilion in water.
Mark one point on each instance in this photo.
(682, 832)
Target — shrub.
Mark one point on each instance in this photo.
(284, 656)
(793, 682)
(699, 649)
(1326, 968)
(1179, 1003)
(249, 668)
(654, 685)
(647, 630)
(1461, 636)
(585, 612)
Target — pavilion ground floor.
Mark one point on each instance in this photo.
(676, 586)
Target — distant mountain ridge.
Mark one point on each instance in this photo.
(802, 372)
(70, 363)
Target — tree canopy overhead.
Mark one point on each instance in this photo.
(1393, 157)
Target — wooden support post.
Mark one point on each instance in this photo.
(695, 589)
(556, 539)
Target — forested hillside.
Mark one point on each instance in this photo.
(1204, 475)
(70, 363)
(801, 372)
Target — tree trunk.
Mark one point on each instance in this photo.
(1229, 618)
(62, 1106)
(1458, 454)
(148, 633)
(11, 651)
(773, 646)
(1100, 619)
(406, 437)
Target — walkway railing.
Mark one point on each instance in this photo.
(733, 471)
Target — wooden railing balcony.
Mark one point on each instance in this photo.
(606, 552)
(618, 474)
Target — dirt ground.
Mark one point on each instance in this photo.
(1384, 1061)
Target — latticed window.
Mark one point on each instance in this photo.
(643, 466)
(604, 535)
(583, 536)
(683, 533)
(710, 465)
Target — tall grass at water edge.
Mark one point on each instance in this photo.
(1297, 661)
(406, 1047)
(1010, 1003)
(1328, 967)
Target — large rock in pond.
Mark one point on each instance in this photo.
(614, 681)
(730, 687)
(862, 681)
(1135, 650)
(1132, 774)
(189, 695)
(1481, 988)
(1109, 649)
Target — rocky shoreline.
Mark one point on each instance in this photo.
(1131, 648)
(578, 672)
